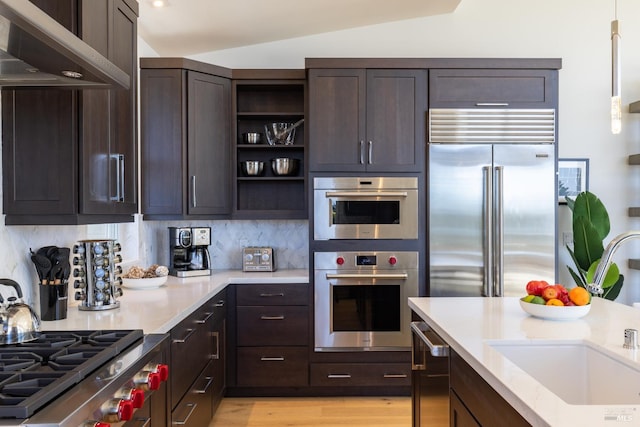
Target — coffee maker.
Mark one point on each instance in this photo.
(188, 251)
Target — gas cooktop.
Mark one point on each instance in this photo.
(32, 374)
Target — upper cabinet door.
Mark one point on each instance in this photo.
(208, 130)
(367, 120)
(396, 114)
(336, 120)
(487, 88)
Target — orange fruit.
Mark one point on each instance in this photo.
(555, 301)
(579, 296)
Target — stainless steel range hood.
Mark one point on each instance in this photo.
(36, 51)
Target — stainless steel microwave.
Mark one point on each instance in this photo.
(365, 208)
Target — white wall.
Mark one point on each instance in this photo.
(576, 31)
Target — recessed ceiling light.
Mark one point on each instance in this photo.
(158, 3)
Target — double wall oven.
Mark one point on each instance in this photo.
(365, 262)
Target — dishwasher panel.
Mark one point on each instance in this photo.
(429, 377)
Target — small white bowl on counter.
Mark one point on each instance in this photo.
(149, 283)
(554, 312)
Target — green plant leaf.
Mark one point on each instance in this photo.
(587, 245)
(570, 202)
(610, 279)
(577, 278)
(612, 293)
(589, 206)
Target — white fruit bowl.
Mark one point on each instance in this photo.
(149, 283)
(553, 312)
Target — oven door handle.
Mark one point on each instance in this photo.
(392, 276)
(366, 194)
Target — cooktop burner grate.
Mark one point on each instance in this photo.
(34, 373)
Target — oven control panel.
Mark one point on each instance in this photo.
(379, 260)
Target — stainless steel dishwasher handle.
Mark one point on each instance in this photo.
(436, 350)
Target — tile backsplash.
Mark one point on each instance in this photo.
(147, 242)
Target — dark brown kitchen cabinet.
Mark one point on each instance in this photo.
(474, 402)
(493, 88)
(261, 97)
(367, 120)
(197, 376)
(271, 342)
(185, 122)
(69, 156)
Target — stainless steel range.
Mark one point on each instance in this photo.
(80, 378)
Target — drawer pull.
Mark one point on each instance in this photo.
(272, 359)
(219, 303)
(184, 421)
(281, 317)
(206, 317)
(206, 386)
(186, 337)
(216, 355)
(338, 376)
(395, 376)
(281, 294)
(141, 422)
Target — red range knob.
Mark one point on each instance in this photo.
(135, 395)
(393, 260)
(340, 260)
(125, 410)
(96, 424)
(147, 380)
(159, 368)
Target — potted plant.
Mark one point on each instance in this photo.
(590, 227)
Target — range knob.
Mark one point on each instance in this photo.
(147, 380)
(159, 368)
(340, 260)
(116, 410)
(393, 260)
(96, 424)
(135, 395)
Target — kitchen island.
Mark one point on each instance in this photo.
(474, 327)
(158, 310)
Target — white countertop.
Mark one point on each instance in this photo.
(158, 310)
(468, 323)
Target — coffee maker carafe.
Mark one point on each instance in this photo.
(189, 253)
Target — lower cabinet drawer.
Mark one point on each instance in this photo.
(195, 408)
(273, 325)
(273, 367)
(360, 374)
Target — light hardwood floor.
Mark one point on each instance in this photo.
(314, 411)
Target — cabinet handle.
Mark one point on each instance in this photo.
(206, 317)
(281, 294)
(186, 419)
(142, 422)
(219, 303)
(186, 337)
(394, 376)
(121, 178)
(272, 359)
(338, 376)
(206, 386)
(492, 104)
(362, 152)
(216, 355)
(281, 317)
(370, 152)
(193, 191)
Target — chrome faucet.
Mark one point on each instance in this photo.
(603, 266)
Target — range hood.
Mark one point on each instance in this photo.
(36, 51)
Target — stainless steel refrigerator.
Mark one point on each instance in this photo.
(492, 203)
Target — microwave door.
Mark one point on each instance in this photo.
(457, 211)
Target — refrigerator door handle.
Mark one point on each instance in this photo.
(487, 286)
(499, 232)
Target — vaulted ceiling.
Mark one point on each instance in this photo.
(187, 27)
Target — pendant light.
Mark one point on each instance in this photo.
(616, 102)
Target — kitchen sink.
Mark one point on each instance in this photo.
(577, 372)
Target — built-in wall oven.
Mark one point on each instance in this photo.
(361, 300)
(365, 208)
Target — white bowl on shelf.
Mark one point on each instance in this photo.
(148, 283)
(554, 312)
